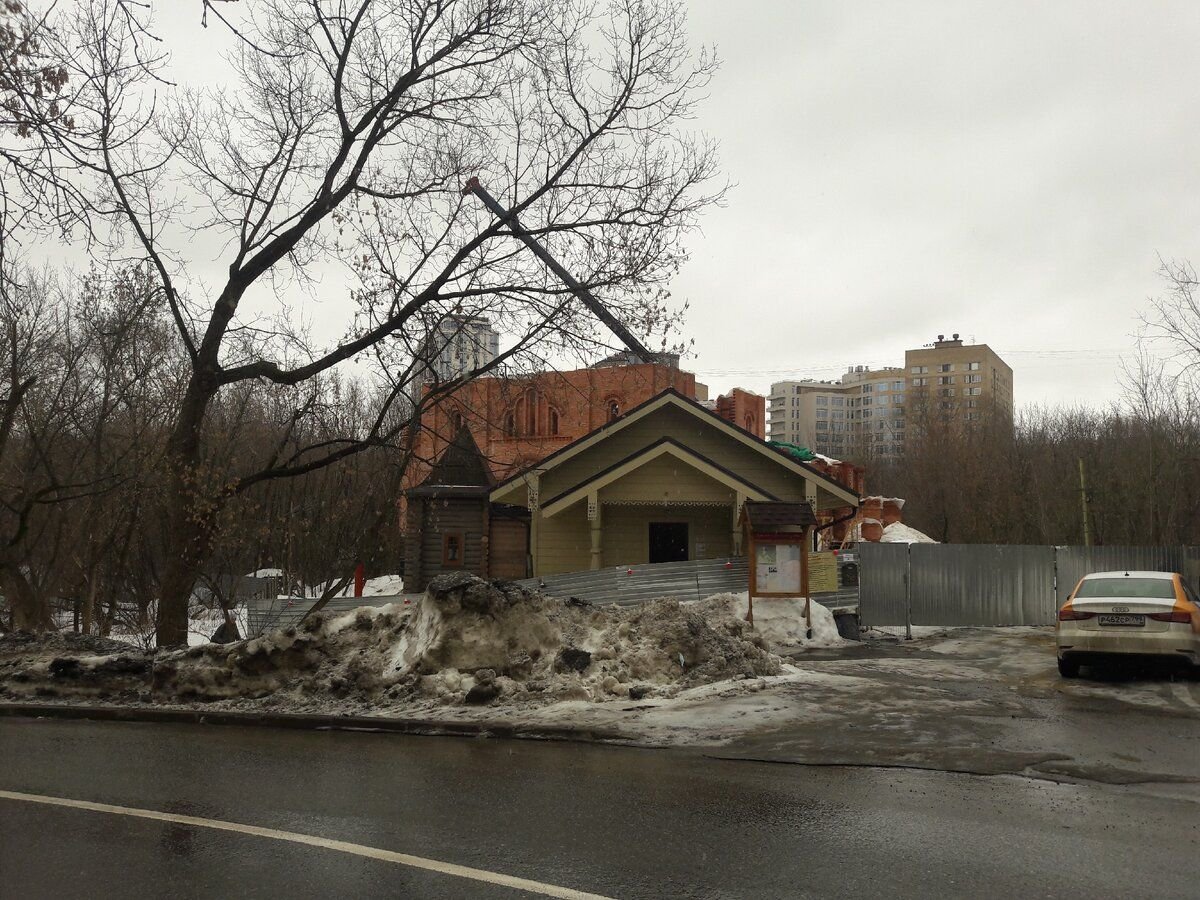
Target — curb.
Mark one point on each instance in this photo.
(310, 722)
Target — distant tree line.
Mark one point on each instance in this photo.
(1020, 483)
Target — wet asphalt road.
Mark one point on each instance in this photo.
(614, 821)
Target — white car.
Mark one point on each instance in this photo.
(1112, 615)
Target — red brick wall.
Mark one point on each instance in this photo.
(744, 409)
(569, 403)
(853, 477)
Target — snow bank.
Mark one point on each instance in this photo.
(899, 533)
(466, 642)
(780, 620)
(473, 641)
(383, 586)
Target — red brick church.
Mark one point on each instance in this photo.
(518, 421)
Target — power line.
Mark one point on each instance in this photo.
(1061, 357)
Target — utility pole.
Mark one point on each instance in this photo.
(1083, 498)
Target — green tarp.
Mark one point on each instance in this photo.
(801, 453)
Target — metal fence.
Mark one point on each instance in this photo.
(1075, 562)
(623, 585)
(691, 580)
(991, 584)
(263, 614)
(627, 585)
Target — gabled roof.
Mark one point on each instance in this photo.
(672, 397)
(663, 446)
(772, 516)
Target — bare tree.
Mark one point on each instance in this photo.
(336, 158)
(87, 385)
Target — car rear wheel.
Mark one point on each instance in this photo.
(1068, 668)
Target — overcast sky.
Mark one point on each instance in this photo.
(1007, 170)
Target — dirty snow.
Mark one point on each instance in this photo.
(781, 620)
(466, 642)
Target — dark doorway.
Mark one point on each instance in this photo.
(668, 542)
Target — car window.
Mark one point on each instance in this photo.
(1150, 588)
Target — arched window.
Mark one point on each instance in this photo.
(532, 416)
(750, 422)
(456, 421)
(529, 419)
(613, 408)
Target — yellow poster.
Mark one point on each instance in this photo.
(822, 572)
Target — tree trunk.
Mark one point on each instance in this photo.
(28, 614)
(189, 520)
(88, 613)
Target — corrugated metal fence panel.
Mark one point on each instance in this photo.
(265, 614)
(628, 585)
(624, 585)
(1191, 566)
(993, 584)
(881, 568)
(1075, 562)
(953, 584)
(692, 580)
(982, 584)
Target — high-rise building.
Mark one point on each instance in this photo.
(960, 382)
(839, 418)
(869, 412)
(460, 344)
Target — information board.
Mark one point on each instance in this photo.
(777, 568)
(822, 572)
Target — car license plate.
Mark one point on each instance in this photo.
(1122, 620)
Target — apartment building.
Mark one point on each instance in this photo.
(963, 382)
(460, 344)
(837, 418)
(868, 412)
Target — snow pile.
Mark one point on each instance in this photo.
(383, 586)
(472, 641)
(780, 620)
(899, 533)
(467, 641)
(38, 666)
(332, 656)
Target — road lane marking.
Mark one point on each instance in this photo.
(404, 859)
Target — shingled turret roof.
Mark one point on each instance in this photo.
(460, 466)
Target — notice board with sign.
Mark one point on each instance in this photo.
(778, 538)
(777, 568)
(779, 535)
